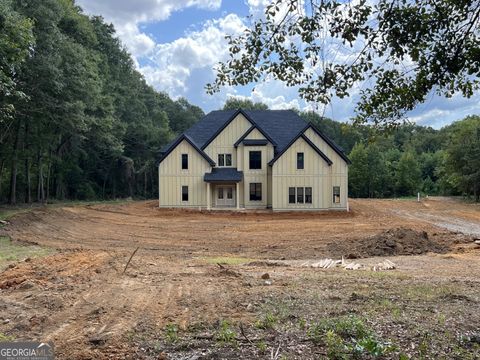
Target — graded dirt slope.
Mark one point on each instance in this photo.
(84, 300)
(184, 233)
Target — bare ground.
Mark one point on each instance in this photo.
(174, 301)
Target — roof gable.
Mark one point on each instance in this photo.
(309, 142)
(191, 142)
(253, 127)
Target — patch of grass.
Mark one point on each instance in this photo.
(171, 333)
(262, 346)
(226, 260)
(267, 322)
(429, 292)
(10, 252)
(226, 334)
(347, 337)
(4, 337)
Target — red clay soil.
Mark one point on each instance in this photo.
(81, 299)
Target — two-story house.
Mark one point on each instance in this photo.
(253, 159)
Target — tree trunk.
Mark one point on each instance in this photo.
(152, 182)
(13, 173)
(28, 192)
(40, 189)
(114, 190)
(48, 181)
(145, 183)
(2, 162)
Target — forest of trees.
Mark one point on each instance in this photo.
(78, 121)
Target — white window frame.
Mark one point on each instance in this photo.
(222, 158)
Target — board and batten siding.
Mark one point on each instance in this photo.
(172, 177)
(223, 143)
(256, 175)
(316, 174)
(339, 170)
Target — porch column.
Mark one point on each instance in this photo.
(209, 198)
(237, 195)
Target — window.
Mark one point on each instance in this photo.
(308, 195)
(220, 192)
(224, 159)
(230, 193)
(184, 161)
(336, 194)
(255, 191)
(184, 193)
(228, 159)
(255, 159)
(300, 161)
(299, 195)
(291, 195)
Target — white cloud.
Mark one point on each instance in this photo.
(126, 15)
(187, 63)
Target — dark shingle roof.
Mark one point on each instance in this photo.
(280, 127)
(224, 175)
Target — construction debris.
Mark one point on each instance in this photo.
(384, 265)
(330, 263)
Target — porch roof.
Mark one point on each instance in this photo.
(223, 175)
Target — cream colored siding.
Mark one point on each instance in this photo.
(339, 170)
(172, 177)
(256, 175)
(223, 143)
(316, 174)
(255, 135)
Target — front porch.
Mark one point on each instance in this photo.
(223, 189)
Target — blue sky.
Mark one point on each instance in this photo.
(176, 43)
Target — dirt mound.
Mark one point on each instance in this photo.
(392, 242)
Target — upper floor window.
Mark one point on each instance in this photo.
(300, 161)
(255, 159)
(184, 161)
(224, 159)
(336, 194)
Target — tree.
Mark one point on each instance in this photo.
(16, 39)
(368, 172)
(358, 171)
(407, 174)
(235, 103)
(463, 155)
(404, 49)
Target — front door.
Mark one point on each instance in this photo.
(225, 196)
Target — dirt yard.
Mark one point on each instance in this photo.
(227, 285)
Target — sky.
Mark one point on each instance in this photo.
(176, 44)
